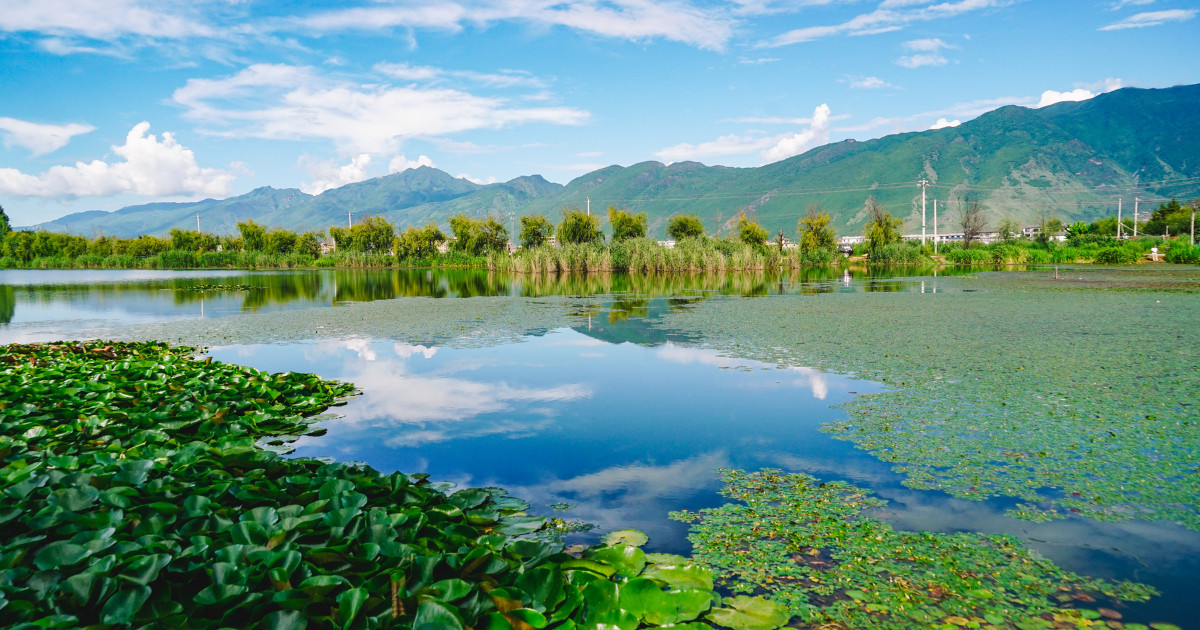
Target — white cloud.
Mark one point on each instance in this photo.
(40, 139)
(795, 143)
(771, 148)
(636, 20)
(915, 122)
(401, 163)
(150, 167)
(1082, 92)
(502, 79)
(1050, 97)
(942, 123)
(927, 53)
(482, 181)
(869, 83)
(926, 45)
(1152, 18)
(887, 17)
(275, 101)
(99, 19)
(326, 176)
(921, 60)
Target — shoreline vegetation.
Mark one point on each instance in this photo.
(578, 244)
(144, 488)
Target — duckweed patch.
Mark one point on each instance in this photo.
(813, 547)
(136, 495)
(1079, 396)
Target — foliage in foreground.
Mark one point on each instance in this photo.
(808, 545)
(136, 496)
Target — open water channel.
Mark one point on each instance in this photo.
(613, 400)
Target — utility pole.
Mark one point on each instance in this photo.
(1119, 218)
(935, 239)
(197, 222)
(349, 220)
(589, 204)
(1193, 224)
(923, 183)
(1136, 200)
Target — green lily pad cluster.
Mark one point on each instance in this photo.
(136, 494)
(811, 546)
(216, 288)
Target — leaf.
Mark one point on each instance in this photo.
(121, 607)
(349, 604)
(435, 615)
(285, 620)
(685, 576)
(628, 561)
(59, 554)
(631, 537)
(750, 613)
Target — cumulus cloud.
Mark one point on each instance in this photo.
(942, 123)
(326, 175)
(1080, 93)
(771, 148)
(276, 101)
(887, 17)
(1152, 18)
(40, 139)
(795, 143)
(401, 163)
(150, 167)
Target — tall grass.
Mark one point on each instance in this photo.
(646, 256)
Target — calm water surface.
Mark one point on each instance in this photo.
(620, 420)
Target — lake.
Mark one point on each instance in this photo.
(1057, 405)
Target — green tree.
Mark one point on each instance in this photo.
(750, 232)
(579, 227)
(477, 238)
(685, 226)
(494, 235)
(626, 225)
(1008, 229)
(369, 235)
(1050, 228)
(815, 231)
(254, 236)
(419, 242)
(5, 226)
(279, 241)
(535, 231)
(193, 241)
(882, 229)
(308, 244)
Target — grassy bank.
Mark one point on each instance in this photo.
(646, 256)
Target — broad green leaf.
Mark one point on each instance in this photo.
(631, 537)
(435, 615)
(750, 613)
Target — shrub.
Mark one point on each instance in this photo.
(1116, 256)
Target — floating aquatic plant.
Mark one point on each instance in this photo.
(813, 547)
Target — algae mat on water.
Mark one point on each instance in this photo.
(1078, 394)
(810, 546)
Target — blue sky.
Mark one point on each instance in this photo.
(107, 103)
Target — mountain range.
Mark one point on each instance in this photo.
(1070, 160)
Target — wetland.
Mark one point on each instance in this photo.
(1026, 438)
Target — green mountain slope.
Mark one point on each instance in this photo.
(1069, 160)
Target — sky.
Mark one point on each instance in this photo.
(110, 103)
